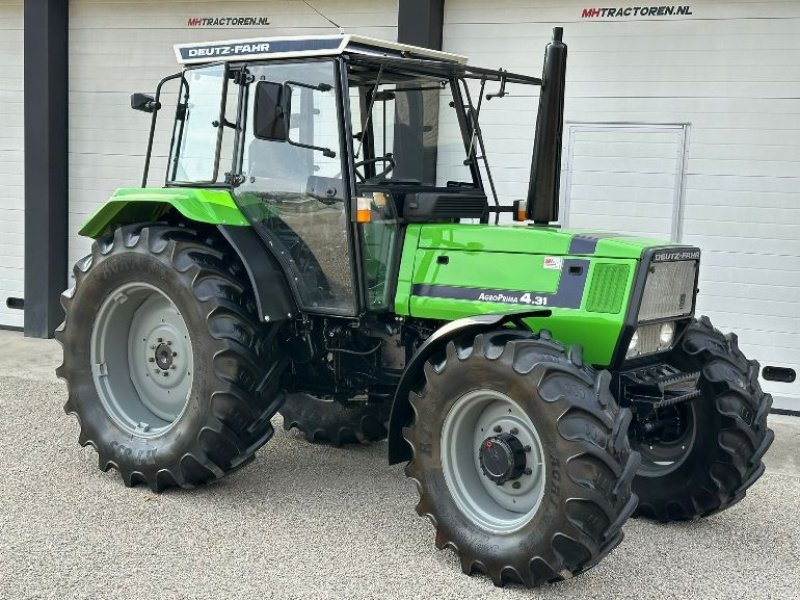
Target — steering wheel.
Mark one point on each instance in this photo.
(387, 160)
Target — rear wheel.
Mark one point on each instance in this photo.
(708, 451)
(521, 457)
(322, 420)
(171, 376)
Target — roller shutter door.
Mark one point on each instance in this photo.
(730, 71)
(12, 200)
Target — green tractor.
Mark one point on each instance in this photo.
(327, 245)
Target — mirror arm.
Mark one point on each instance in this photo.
(321, 87)
(325, 151)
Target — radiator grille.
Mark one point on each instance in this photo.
(669, 290)
(608, 288)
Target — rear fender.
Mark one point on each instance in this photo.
(273, 297)
(399, 449)
(141, 205)
(214, 207)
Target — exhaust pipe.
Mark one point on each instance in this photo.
(546, 163)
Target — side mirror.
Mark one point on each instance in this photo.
(144, 102)
(272, 110)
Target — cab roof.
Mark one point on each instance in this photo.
(302, 46)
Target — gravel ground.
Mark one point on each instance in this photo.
(307, 521)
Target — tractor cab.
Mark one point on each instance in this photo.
(329, 146)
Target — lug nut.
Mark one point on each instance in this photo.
(497, 429)
(174, 354)
(515, 485)
(151, 359)
(514, 431)
(527, 471)
(169, 343)
(166, 373)
(152, 347)
(527, 448)
(173, 367)
(160, 340)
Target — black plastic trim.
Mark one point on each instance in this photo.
(779, 374)
(270, 287)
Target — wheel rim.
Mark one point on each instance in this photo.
(142, 359)
(664, 456)
(471, 441)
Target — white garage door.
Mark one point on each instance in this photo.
(624, 176)
(730, 70)
(122, 46)
(12, 200)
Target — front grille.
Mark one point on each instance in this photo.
(669, 290)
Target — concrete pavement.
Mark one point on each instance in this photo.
(307, 521)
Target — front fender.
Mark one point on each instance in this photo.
(401, 415)
(140, 205)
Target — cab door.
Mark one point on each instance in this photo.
(294, 183)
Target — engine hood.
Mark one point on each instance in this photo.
(524, 239)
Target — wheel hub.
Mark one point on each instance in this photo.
(493, 460)
(502, 458)
(163, 356)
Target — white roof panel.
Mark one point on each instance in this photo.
(292, 47)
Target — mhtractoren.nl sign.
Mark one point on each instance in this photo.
(666, 10)
(227, 21)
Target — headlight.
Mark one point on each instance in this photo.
(665, 336)
(633, 347)
(649, 339)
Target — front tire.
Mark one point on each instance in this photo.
(716, 453)
(521, 457)
(172, 378)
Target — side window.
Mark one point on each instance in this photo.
(197, 131)
(378, 238)
(294, 188)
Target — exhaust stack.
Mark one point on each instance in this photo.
(546, 162)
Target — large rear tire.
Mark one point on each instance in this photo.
(171, 376)
(335, 422)
(718, 440)
(521, 457)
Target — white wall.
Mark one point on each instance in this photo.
(732, 72)
(12, 223)
(122, 46)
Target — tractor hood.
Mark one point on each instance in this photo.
(520, 239)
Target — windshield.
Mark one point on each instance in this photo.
(406, 129)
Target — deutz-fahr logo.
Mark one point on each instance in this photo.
(668, 255)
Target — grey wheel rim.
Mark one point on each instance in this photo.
(659, 459)
(472, 419)
(142, 360)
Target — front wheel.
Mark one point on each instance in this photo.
(708, 450)
(521, 457)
